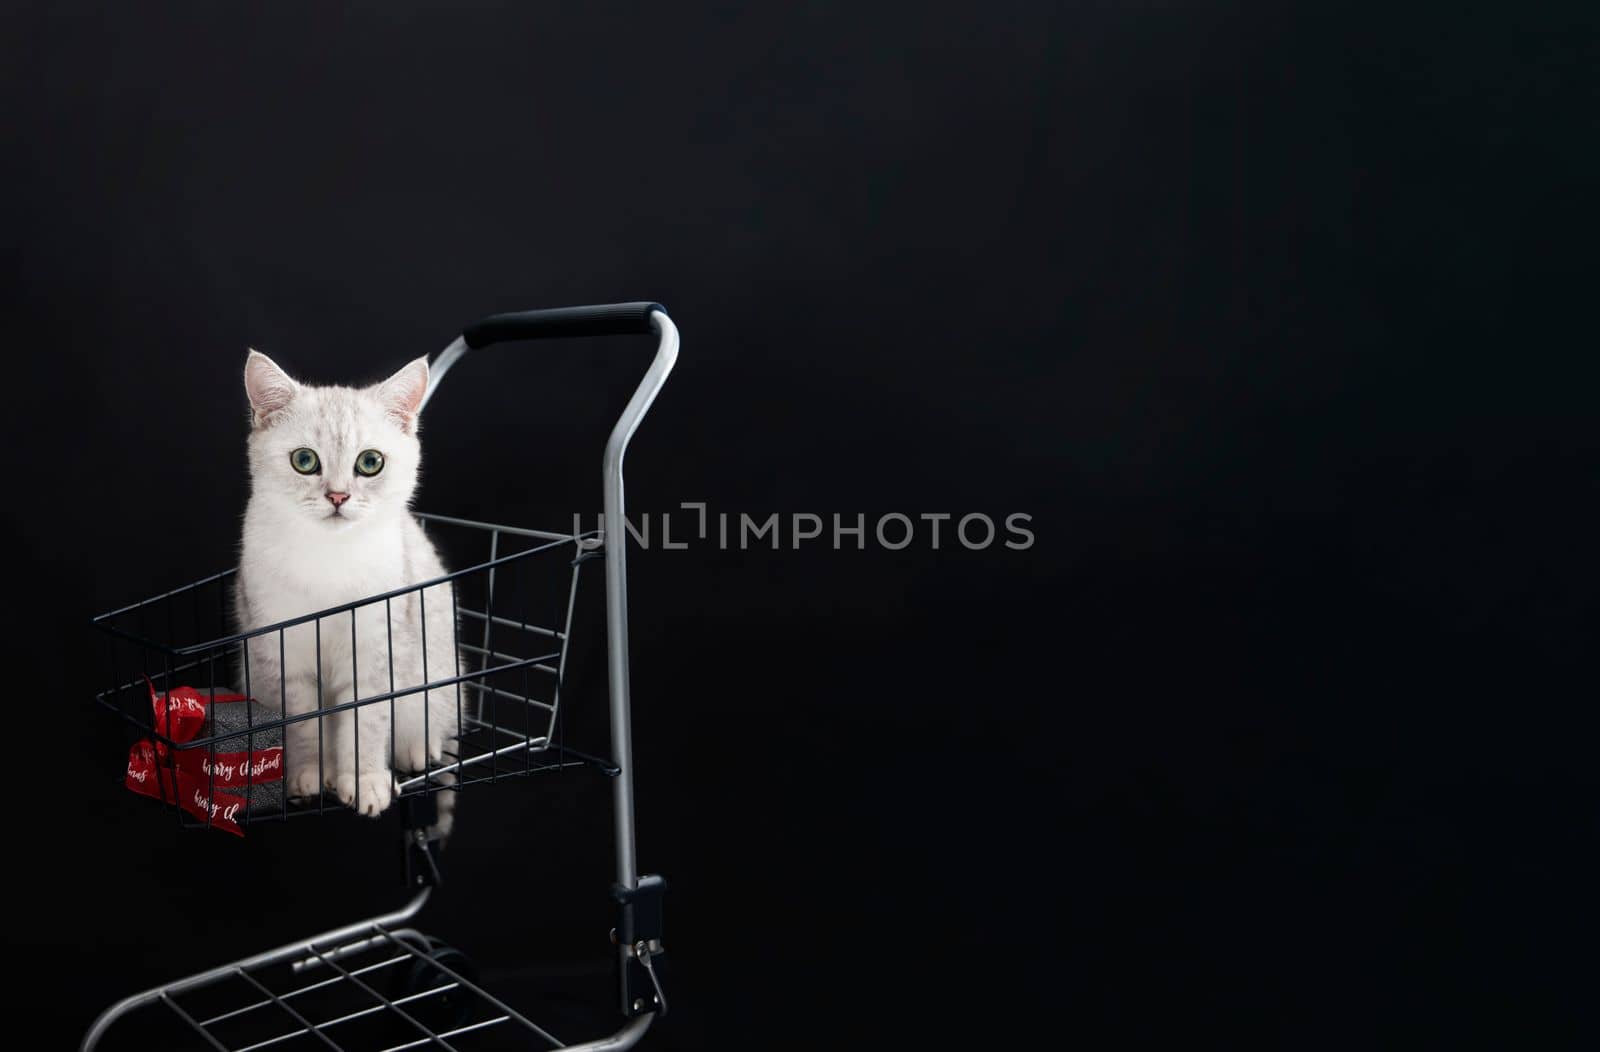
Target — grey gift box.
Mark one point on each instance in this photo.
(261, 748)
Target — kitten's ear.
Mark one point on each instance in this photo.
(401, 394)
(269, 387)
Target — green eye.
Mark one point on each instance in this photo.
(305, 461)
(370, 462)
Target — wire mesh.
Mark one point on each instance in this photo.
(334, 685)
(380, 989)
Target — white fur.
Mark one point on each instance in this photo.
(297, 556)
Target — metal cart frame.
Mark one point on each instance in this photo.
(638, 898)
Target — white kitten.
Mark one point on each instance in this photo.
(332, 471)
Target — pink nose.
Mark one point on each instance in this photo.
(337, 498)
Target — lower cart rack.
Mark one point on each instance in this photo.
(377, 984)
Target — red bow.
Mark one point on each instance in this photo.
(179, 715)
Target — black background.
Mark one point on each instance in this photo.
(1281, 728)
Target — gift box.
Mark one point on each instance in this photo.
(218, 783)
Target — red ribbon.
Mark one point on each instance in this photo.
(189, 781)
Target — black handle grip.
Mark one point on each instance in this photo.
(604, 319)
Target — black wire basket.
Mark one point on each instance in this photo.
(512, 609)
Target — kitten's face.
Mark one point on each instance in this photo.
(335, 456)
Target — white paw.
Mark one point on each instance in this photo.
(436, 748)
(303, 783)
(408, 754)
(376, 791)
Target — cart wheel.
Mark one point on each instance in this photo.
(440, 1011)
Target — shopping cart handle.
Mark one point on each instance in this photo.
(604, 319)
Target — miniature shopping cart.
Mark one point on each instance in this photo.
(379, 983)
